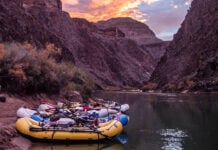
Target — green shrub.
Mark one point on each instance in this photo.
(25, 69)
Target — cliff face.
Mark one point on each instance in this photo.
(32, 21)
(109, 55)
(191, 60)
(132, 29)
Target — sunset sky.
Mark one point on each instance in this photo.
(162, 16)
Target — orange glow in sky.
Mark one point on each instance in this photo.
(95, 10)
(163, 16)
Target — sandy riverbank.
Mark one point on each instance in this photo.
(9, 138)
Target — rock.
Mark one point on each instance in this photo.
(132, 29)
(156, 50)
(2, 99)
(73, 96)
(149, 86)
(184, 92)
(53, 5)
(193, 54)
(6, 134)
(111, 56)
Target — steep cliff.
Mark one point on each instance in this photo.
(34, 21)
(137, 31)
(191, 60)
(109, 59)
(132, 29)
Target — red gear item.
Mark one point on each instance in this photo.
(86, 108)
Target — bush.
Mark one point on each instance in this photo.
(26, 69)
(149, 86)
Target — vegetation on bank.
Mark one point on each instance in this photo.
(184, 86)
(28, 70)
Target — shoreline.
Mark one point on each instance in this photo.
(10, 139)
(138, 91)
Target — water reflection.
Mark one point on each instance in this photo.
(169, 121)
(160, 121)
(172, 139)
(122, 137)
(115, 143)
(98, 146)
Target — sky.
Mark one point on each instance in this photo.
(164, 17)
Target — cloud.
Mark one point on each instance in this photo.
(165, 23)
(175, 6)
(71, 2)
(149, 1)
(163, 16)
(188, 2)
(95, 10)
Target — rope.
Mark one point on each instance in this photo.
(52, 137)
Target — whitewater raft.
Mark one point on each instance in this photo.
(33, 129)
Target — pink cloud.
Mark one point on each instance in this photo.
(95, 10)
(163, 17)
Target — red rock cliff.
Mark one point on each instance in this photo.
(109, 60)
(191, 60)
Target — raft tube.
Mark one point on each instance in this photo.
(31, 128)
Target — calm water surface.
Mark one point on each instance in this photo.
(161, 122)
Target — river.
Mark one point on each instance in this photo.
(161, 121)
